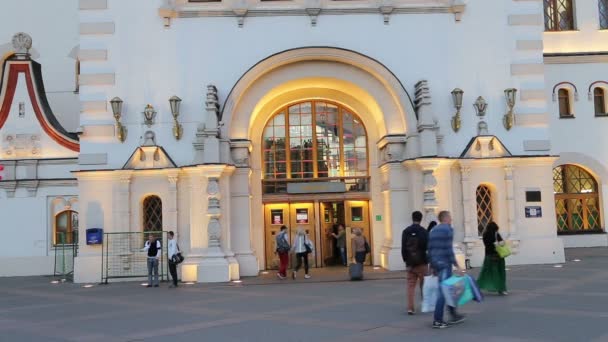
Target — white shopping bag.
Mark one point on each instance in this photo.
(430, 291)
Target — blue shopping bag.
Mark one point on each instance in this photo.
(477, 295)
(457, 291)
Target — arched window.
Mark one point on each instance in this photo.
(563, 97)
(599, 101)
(485, 214)
(65, 228)
(603, 12)
(153, 214)
(576, 200)
(559, 15)
(314, 140)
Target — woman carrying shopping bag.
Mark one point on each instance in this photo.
(493, 275)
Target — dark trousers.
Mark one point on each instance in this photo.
(284, 260)
(360, 257)
(173, 271)
(299, 258)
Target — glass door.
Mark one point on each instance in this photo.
(357, 216)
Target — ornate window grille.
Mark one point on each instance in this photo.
(559, 15)
(484, 208)
(576, 200)
(603, 12)
(153, 214)
(563, 96)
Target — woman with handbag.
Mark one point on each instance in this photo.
(302, 247)
(493, 275)
(174, 257)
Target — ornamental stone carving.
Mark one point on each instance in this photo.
(429, 181)
(213, 207)
(213, 186)
(22, 43)
(21, 145)
(214, 232)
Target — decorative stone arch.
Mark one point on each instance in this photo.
(396, 115)
(568, 86)
(348, 78)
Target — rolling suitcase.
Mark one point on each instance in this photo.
(355, 271)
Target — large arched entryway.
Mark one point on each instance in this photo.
(320, 78)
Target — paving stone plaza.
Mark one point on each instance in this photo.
(546, 303)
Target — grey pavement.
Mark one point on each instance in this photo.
(545, 303)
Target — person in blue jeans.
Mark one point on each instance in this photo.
(441, 255)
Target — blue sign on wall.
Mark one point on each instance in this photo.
(534, 212)
(94, 236)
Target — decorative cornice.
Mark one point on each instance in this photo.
(576, 57)
(302, 8)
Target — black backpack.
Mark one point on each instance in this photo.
(413, 255)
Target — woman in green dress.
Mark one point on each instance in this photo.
(493, 276)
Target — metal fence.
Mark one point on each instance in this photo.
(123, 256)
(65, 251)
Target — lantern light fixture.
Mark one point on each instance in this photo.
(175, 103)
(149, 115)
(121, 132)
(457, 99)
(509, 119)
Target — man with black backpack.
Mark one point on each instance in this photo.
(283, 248)
(413, 250)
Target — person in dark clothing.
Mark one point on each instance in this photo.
(414, 240)
(431, 226)
(493, 276)
(154, 250)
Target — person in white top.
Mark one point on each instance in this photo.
(302, 246)
(172, 250)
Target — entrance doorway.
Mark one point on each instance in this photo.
(319, 219)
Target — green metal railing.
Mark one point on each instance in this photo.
(123, 256)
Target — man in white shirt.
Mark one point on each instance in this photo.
(172, 250)
(154, 248)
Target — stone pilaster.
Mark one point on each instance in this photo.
(396, 211)
(122, 208)
(511, 225)
(171, 221)
(468, 204)
(429, 183)
(427, 123)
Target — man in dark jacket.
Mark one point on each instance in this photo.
(413, 250)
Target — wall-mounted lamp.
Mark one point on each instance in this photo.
(121, 132)
(174, 102)
(509, 119)
(149, 114)
(457, 99)
(480, 106)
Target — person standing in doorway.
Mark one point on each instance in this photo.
(282, 242)
(172, 250)
(414, 240)
(302, 247)
(341, 243)
(441, 254)
(493, 275)
(154, 249)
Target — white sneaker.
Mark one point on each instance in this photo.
(293, 275)
(280, 276)
(307, 276)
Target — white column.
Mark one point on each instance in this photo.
(122, 207)
(171, 220)
(429, 183)
(511, 226)
(396, 210)
(468, 204)
(240, 222)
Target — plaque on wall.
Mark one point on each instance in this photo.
(277, 216)
(534, 212)
(302, 216)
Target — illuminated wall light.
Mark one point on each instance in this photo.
(237, 281)
(55, 282)
(190, 283)
(87, 286)
(558, 266)
(144, 284)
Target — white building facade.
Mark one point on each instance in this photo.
(223, 121)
